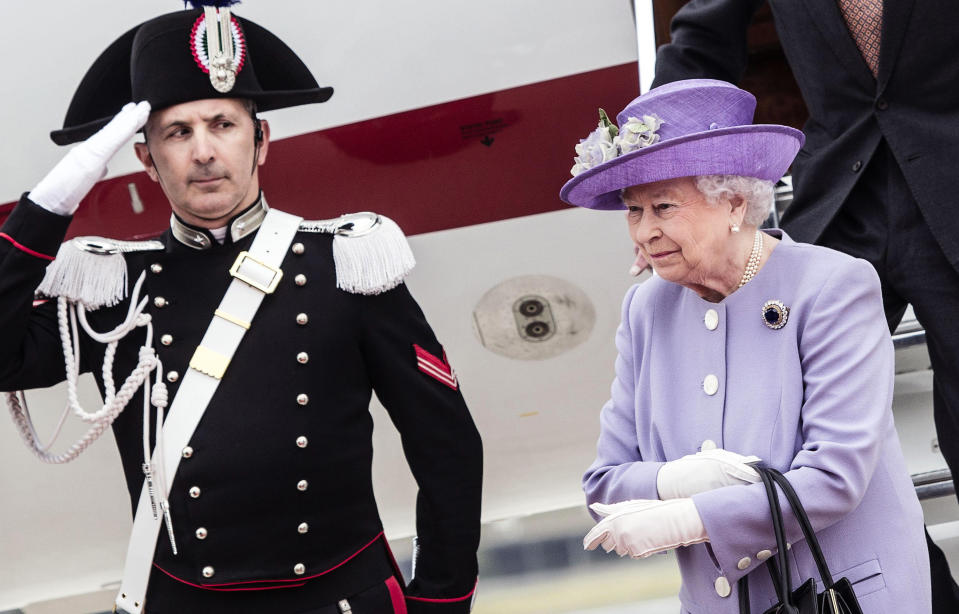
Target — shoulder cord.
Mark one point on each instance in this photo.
(68, 313)
(115, 401)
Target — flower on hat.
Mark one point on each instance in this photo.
(598, 147)
(607, 141)
(637, 133)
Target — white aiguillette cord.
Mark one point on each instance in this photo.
(256, 273)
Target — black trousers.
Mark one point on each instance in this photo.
(881, 223)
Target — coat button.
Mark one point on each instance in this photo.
(302, 358)
(711, 384)
(159, 302)
(303, 528)
(201, 533)
(881, 104)
(302, 319)
(856, 166)
(709, 444)
(302, 399)
(300, 280)
(187, 452)
(195, 492)
(711, 319)
(302, 485)
(208, 572)
(299, 569)
(298, 248)
(172, 376)
(166, 339)
(744, 563)
(722, 586)
(301, 441)
(156, 267)
(762, 555)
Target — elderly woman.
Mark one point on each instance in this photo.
(743, 344)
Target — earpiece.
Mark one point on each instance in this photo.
(257, 131)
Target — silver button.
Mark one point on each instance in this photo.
(302, 358)
(201, 533)
(172, 376)
(299, 569)
(187, 452)
(298, 248)
(711, 384)
(301, 441)
(159, 302)
(195, 492)
(302, 399)
(722, 586)
(166, 339)
(208, 572)
(303, 528)
(302, 319)
(300, 280)
(156, 268)
(762, 555)
(744, 563)
(711, 319)
(302, 485)
(709, 444)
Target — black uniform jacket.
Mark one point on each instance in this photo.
(913, 104)
(247, 463)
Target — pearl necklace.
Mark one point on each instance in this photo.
(752, 265)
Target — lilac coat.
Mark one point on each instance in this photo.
(812, 399)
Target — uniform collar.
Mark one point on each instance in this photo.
(244, 224)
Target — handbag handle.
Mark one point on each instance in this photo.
(811, 541)
(780, 571)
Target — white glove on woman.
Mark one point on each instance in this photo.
(707, 470)
(643, 527)
(65, 186)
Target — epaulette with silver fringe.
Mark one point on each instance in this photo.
(92, 271)
(370, 252)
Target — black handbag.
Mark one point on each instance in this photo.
(837, 598)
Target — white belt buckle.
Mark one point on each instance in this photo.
(268, 288)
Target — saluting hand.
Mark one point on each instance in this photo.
(642, 527)
(65, 186)
(706, 470)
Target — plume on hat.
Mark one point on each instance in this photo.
(199, 4)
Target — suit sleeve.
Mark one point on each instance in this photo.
(412, 378)
(619, 472)
(847, 371)
(31, 355)
(708, 41)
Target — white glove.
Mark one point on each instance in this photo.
(707, 470)
(65, 186)
(643, 527)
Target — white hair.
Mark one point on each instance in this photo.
(758, 194)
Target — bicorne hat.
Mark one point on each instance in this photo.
(681, 129)
(179, 57)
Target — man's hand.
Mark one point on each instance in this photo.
(643, 527)
(707, 470)
(639, 264)
(65, 186)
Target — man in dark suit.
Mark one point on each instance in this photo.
(264, 502)
(876, 176)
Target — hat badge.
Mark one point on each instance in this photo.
(218, 47)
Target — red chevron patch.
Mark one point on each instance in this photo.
(440, 370)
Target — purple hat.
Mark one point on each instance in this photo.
(681, 129)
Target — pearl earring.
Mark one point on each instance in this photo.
(734, 227)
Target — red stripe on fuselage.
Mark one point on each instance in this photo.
(481, 159)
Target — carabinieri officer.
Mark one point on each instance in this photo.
(237, 354)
